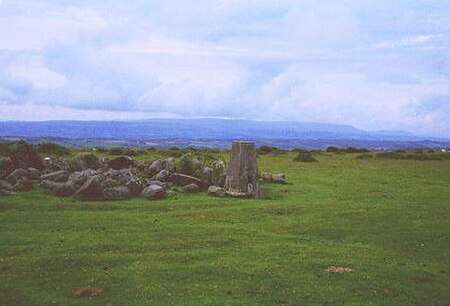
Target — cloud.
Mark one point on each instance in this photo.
(34, 71)
(374, 64)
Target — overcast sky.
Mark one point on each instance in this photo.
(374, 64)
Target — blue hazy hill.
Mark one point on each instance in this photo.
(191, 129)
(210, 133)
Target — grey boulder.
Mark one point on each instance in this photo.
(191, 188)
(153, 192)
(91, 190)
(184, 179)
(17, 175)
(215, 191)
(23, 184)
(6, 186)
(162, 176)
(117, 193)
(122, 162)
(58, 176)
(57, 188)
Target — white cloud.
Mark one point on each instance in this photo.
(34, 33)
(33, 70)
(372, 64)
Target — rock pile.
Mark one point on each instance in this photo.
(87, 178)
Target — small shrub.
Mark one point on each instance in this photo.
(264, 150)
(356, 150)
(305, 157)
(101, 150)
(316, 151)
(122, 152)
(390, 155)
(50, 148)
(171, 152)
(188, 164)
(4, 148)
(332, 150)
(365, 156)
(117, 151)
(412, 156)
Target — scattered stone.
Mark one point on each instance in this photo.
(6, 186)
(159, 183)
(240, 195)
(141, 166)
(77, 179)
(6, 166)
(85, 161)
(58, 164)
(23, 184)
(18, 174)
(208, 176)
(58, 189)
(135, 185)
(117, 193)
(156, 167)
(153, 192)
(217, 191)
(91, 190)
(183, 180)
(171, 164)
(191, 188)
(58, 176)
(162, 176)
(220, 173)
(122, 162)
(34, 173)
(274, 178)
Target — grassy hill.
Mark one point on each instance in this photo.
(387, 219)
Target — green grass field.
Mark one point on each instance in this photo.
(387, 219)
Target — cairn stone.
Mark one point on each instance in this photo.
(122, 162)
(215, 191)
(58, 176)
(191, 188)
(153, 192)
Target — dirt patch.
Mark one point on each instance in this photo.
(339, 269)
(389, 291)
(87, 291)
(422, 280)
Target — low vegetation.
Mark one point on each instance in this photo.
(346, 150)
(49, 148)
(342, 231)
(305, 157)
(414, 155)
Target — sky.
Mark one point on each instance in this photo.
(373, 64)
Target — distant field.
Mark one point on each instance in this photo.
(389, 220)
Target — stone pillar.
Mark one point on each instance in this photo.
(242, 172)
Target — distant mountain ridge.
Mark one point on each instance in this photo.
(189, 128)
(207, 129)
